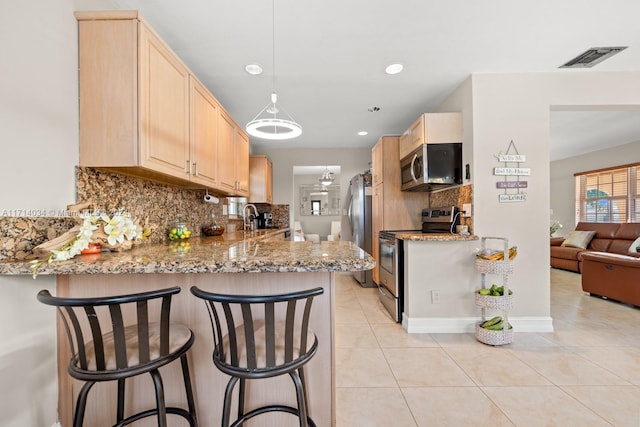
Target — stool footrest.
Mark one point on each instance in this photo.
(269, 408)
(154, 412)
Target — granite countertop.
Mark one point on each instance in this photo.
(432, 237)
(237, 252)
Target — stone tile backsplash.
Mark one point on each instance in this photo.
(147, 201)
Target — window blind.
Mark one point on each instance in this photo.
(608, 195)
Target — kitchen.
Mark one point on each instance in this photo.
(53, 185)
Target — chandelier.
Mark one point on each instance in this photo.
(326, 178)
(267, 124)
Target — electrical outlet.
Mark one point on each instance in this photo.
(435, 297)
(466, 207)
(224, 210)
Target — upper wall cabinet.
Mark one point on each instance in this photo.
(431, 128)
(142, 111)
(261, 179)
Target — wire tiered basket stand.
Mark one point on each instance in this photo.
(503, 303)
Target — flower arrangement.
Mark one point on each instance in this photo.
(555, 226)
(116, 232)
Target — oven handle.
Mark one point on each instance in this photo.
(413, 175)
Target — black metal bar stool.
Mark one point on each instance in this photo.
(262, 336)
(104, 348)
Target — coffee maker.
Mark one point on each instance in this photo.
(265, 220)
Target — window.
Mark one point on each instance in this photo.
(608, 195)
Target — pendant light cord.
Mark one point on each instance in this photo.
(273, 42)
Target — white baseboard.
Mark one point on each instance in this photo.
(442, 325)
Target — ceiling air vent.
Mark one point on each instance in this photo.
(592, 57)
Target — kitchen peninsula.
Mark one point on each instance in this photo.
(220, 264)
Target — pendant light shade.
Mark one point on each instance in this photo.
(267, 124)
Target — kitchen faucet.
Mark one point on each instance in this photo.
(247, 222)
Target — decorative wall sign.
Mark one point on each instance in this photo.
(512, 171)
(511, 184)
(512, 188)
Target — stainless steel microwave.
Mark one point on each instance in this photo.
(432, 166)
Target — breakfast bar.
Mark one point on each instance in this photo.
(219, 264)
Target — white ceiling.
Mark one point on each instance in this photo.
(330, 58)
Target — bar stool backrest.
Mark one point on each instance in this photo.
(101, 330)
(261, 335)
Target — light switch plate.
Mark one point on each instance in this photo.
(466, 207)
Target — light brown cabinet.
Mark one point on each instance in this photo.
(204, 135)
(260, 179)
(242, 162)
(391, 208)
(431, 128)
(144, 113)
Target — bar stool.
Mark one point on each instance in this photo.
(251, 341)
(105, 348)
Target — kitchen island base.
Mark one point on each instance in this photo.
(208, 382)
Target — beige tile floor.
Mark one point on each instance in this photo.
(586, 373)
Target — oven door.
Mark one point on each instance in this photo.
(389, 275)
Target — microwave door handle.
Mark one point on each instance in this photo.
(413, 161)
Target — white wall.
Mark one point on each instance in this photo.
(563, 182)
(351, 161)
(39, 137)
(516, 107)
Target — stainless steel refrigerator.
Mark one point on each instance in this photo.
(359, 215)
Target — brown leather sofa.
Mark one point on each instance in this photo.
(568, 258)
(608, 268)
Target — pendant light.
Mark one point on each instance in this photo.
(267, 124)
(326, 178)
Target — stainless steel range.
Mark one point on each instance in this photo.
(391, 256)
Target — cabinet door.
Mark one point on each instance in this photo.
(261, 181)
(242, 162)
(416, 134)
(377, 221)
(204, 135)
(376, 163)
(405, 144)
(226, 153)
(163, 107)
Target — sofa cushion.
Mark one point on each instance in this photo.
(604, 230)
(578, 239)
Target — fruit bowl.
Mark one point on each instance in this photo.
(213, 230)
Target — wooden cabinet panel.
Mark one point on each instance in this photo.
(226, 153)
(377, 220)
(261, 179)
(377, 164)
(392, 209)
(431, 128)
(242, 162)
(204, 135)
(163, 107)
(144, 113)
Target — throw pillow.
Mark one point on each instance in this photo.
(635, 246)
(578, 239)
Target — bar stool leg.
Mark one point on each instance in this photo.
(226, 411)
(241, 398)
(81, 404)
(187, 385)
(302, 405)
(160, 405)
(120, 407)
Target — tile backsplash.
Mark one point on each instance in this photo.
(456, 196)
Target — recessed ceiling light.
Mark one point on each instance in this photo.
(394, 69)
(363, 133)
(253, 69)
